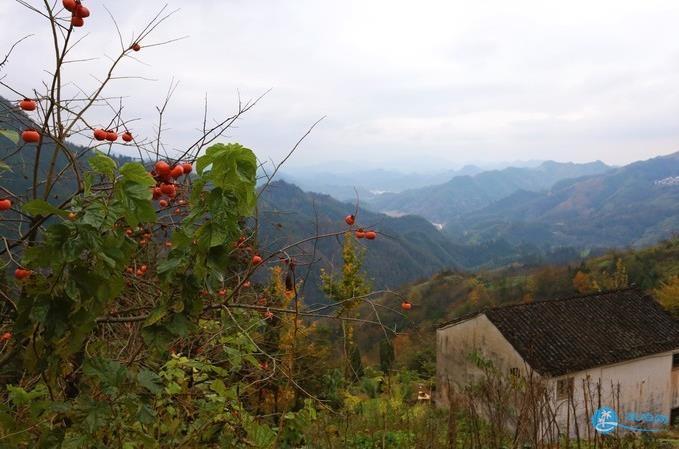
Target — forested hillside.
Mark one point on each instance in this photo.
(450, 294)
(20, 158)
(407, 247)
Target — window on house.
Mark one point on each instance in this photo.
(564, 387)
(675, 361)
(674, 417)
(514, 372)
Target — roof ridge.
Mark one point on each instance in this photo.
(567, 298)
(486, 309)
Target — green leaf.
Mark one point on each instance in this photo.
(110, 373)
(97, 416)
(19, 396)
(134, 200)
(149, 380)
(11, 135)
(136, 173)
(218, 387)
(156, 315)
(233, 168)
(97, 215)
(260, 434)
(173, 388)
(178, 325)
(146, 415)
(169, 265)
(4, 167)
(103, 164)
(43, 208)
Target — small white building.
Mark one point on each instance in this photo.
(621, 345)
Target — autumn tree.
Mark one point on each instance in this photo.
(616, 279)
(133, 318)
(668, 295)
(583, 283)
(347, 291)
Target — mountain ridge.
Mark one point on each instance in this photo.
(623, 206)
(462, 194)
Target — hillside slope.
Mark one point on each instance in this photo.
(20, 158)
(406, 249)
(450, 294)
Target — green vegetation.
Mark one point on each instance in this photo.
(451, 294)
(149, 304)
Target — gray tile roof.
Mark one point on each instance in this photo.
(560, 336)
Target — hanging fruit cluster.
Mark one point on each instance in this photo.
(79, 12)
(166, 176)
(370, 235)
(29, 135)
(360, 233)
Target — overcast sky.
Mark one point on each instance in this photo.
(406, 85)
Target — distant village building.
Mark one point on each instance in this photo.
(617, 349)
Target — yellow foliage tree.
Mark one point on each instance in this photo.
(478, 293)
(616, 280)
(668, 295)
(347, 290)
(291, 341)
(584, 283)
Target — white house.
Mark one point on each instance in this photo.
(620, 345)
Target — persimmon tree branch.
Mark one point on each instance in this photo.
(11, 49)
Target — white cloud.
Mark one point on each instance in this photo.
(400, 81)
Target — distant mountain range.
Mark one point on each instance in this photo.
(343, 184)
(445, 202)
(407, 248)
(633, 205)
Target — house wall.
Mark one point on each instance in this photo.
(456, 342)
(675, 388)
(644, 385)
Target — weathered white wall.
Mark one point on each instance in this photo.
(454, 343)
(675, 388)
(642, 385)
(645, 385)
